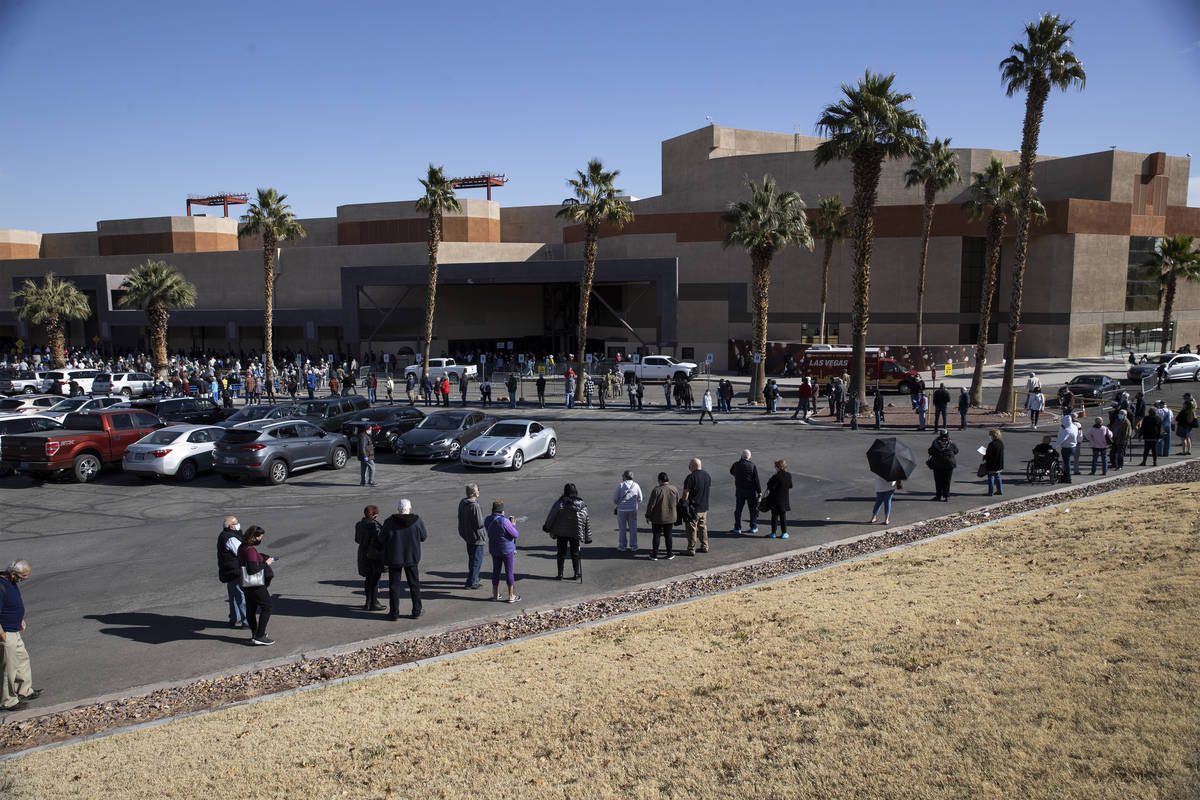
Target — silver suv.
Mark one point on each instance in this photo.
(273, 450)
(126, 384)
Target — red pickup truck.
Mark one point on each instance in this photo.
(86, 442)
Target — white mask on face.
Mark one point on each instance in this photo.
(237, 526)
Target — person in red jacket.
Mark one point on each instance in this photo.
(444, 390)
(804, 399)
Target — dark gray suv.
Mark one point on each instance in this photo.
(273, 450)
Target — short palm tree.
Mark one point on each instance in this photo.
(869, 124)
(833, 226)
(934, 169)
(156, 287)
(595, 202)
(1176, 258)
(765, 224)
(993, 194)
(1042, 63)
(52, 303)
(438, 199)
(271, 218)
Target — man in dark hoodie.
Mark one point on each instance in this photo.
(748, 490)
(402, 535)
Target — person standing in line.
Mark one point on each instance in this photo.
(1185, 421)
(964, 405)
(1100, 438)
(366, 458)
(667, 394)
(391, 387)
(803, 399)
(748, 489)
(993, 462)
(639, 392)
(838, 398)
(569, 390)
(485, 392)
(444, 388)
(877, 406)
(921, 406)
(885, 491)
(258, 598)
(1035, 404)
(463, 385)
(410, 388)
(941, 407)
(401, 538)
(334, 386)
(310, 383)
(228, 573)
(427, 389)
(685, 389)
(695, 496)
(706, 407)
(370, 564)
(626, 499)
(852, 407)
(541, 390)
(942, 461)
(372, 388)
(510, 383)
(1122, 432)
(589, 387)
(1150, 430)
(777, 499)
(570, 525)
(502, 544)
(661, 512)
(1066, 443)
(470, 528)
(17, 689)
(602, 394)
(1165, 418)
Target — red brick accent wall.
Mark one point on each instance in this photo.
(11, 250)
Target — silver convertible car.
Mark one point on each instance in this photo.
(509, 443)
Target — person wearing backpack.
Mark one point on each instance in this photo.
(370, 556)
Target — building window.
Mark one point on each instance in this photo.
(1141, 282)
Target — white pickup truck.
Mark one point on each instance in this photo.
(660, 368)
(443, 366)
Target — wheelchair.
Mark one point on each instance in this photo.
(1043, 468)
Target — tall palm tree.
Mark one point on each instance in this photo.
(52, 304)
(595, 202)
(272, 219)
(869, 124)
(833, 226)
(1175, 257)
(438, 199)
(765, 224)
(1042, 63)
(993, 194)
(157, 287)
(934, 169)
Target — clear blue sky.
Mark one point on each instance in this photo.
(120, 110)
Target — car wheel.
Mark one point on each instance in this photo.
(127, 393)
(552, 448)
(518, 460)
(338, 457)
(455, 451)
(1196, 375)
(85, 467)
(186, 471)
(277, 472)
(29, 390)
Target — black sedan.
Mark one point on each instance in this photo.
(384, 423)
(442, 434)
(1093, 385)
(190, 410)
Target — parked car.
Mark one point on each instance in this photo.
(509, 443)
(385, 423)
(12, 424)
(660, 368)
(86, 441)
(28, 403)
(330, 412)
(274, 450)
(442, 434)
(190, 410)
(126, 384)
(70, 405)
(443, 366)
(1093, 385)
(23, 381)
(181, 451)
(60, 381)
(1179, 367)
(258, 412)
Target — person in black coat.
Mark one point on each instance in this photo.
(942, 461)
(570, 525)
(777, 499)
(1150, 429)
(370, 556)
(401, 539)
(993, 462)
(747, 489)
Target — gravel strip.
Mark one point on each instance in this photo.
(217, 692)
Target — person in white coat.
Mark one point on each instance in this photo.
(1067, 443)
(626, 499)
(1035, 404)
(706, 407)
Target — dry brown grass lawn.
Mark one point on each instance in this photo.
(1051, 656)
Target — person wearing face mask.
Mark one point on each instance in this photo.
(228, 572)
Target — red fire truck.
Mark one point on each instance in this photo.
(883, 372)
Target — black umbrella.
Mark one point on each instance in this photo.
(891, 459)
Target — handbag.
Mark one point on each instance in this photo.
(765, 503)
(982, 469)
(252, 579)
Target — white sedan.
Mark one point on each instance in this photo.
(178, 450)
(509, 443)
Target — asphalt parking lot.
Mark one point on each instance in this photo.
(124, 591)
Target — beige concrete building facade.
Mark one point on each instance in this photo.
(664, 282)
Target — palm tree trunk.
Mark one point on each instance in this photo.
(762, 284)
(585, 289)
(1035, 105)
(866, 161)
(269, 307)
(825, 284)
(926, 231)
(994, 240)
(55, 337)
(435, 237)
(158, 316)
(1168, 308)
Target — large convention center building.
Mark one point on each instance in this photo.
(509, 276)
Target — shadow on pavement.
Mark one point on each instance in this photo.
(148, 628)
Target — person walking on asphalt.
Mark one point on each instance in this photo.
(228, 573)
(1035, 404)
(661, 511)
(626, 499)
(804, 396)
(258, 592)
(502, 544)
(885, 491)
(942, 461)
(541, 390)
(748, 489)
(706, 407)
(401, 536)
(941, 406)
(370, 563)
(470, 529)
(366, 458)
(17, 689)
(777, 499)
(569, 524)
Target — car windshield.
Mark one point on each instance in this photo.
(161, 437)
(507, 430)
(441, 422)
(1087, 379)
(57, 376)
(249, 413)
(68, 405)
(12, 403)
(313, 408)
(1161, 358)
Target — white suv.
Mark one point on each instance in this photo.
(60, 380)
(126, 384)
